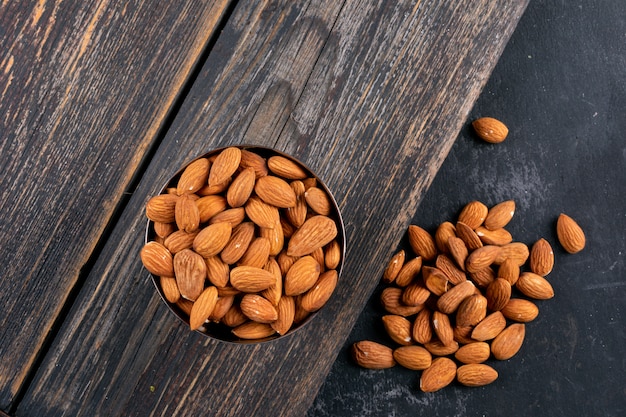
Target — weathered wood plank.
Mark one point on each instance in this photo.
(373, 108)
(84, 88)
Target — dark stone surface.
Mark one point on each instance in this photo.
(560, 86)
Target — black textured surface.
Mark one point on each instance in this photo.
(560, 86)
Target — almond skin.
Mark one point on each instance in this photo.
(318, 201)
(415, 358)
(258, 309)
(490, 129)
(450, 301)
(475, 352)
(275, 191)
(302, 275)
(473, 214)
(316, 232)
(162, 208)
(332, 255)
(398, 328)
(471, 311)
(500, 215)
(190, 271)
(186, 214)
(458, 251)
(498, 294)
(193, 177)
(209, 206)
(286, 312)
(170, 289)
(316, 297)
(224, 166)
(252, 330)
(422, 243)
(422, 330)
(372, 355)
(444, 231)
(241, 188)
(157, 259)
(447, 266)
(202, 307)
(541, 258)
(494, 237)
(489, 327)
(249, 279)
(238, 243)
(508, 342)
(179, 240)
(440, 374)
(391, 300)
(408, 272)
(442, 327)
(257, 254)
(296, 215)
(255, 161)
(520, 310)
(468, 236)
(212, 239)
(261, 213)
(476, 375)
(570, 234)
(534, 286)
(217, 271)
(481, 258)
(286, 168)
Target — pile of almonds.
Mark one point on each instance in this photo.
(244, 243)
(464, 297)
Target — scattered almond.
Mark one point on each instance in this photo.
(490, 130)
(570, 234)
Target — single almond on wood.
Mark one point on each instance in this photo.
(490, 130)
(570, 234)
(372, 355)
(225, 165)
(413, 357)
(440, 374)
(316, 232)
(202, 307)
(157, 259)
(476, 375)
(193, 177)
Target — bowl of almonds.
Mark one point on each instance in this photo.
(244, 244)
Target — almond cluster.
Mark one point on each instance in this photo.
(244, 242)
(463, 296)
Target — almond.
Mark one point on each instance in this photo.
(162, 208)
(508, 342)
(179, 240)
(217, 271)
(257, 254)
(476, 375)
(286, 168)
(297, 214)
(391, 300)
(442, 327)
(224, 166)
(520, 310)
(202, 307)
(285, 261)
(415, 294)
(301, 276)
(318, 255)
(471, 311)
(316, 232)
(440, 374)
(458, 251)
(489, 327)
(238, 243)
(509, 270)
(286, 312)
(490, 130)
(275, 237)
(408, 272)
(475, 352)
(222, 306)
(473, 214)
(437, 348)
(481, 258)
(498, 294)
(498, 237)
(250, 279)
(255, 161)
(332, 255)
(163, 230)
(570, 234)
(398, 328)
(462, 334)
(212, 239)
(258, 309)
(483, 277)
(234, 217)
(372, 355)
(241, 188)
(541, 258)
(415, 358)
(517, 251)
(444, 231)
(500, 215)
(234, 317)
(275, 191)
(157, 259)
(170, 289)
(468, 236)
(316, 297)
(261, 213)
(186, 214)
(534, 286)
(253, 330)
(422, 243)
(446, 265)
(214, 189)
(318, 200)
(275, 291)
(450, 301)
(193, 177)
(422, 330)
(435, 280)
(209, 206)
(190, 271)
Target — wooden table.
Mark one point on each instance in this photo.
(102, 101)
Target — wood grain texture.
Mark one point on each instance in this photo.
(371, 97)
(84, 88)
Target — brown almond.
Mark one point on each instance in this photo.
(444, 231)
(286, 168)
(413, 357)
(437, 348)
(541, 257)
(471, 311)
(332, 255)
(422, 243)
(398, 328)
(490, 130)
(301, 314)
(275, 237)
(473, 214)
(209, 206)
(286, 312)
(217, 271)
(193, 177)
(275, 191)
(422, 330)
(435, 280)
(481, 258)
(222, 306)
(534, 286)
(212, 239)
(297, 214)
(187, 214)
(261, 213)
(214, 189)
(476, 375)
(483, 277)
(249, 279)
(316, 232)
(255, 161)
(475, 352)
(520, 310)
(234, 317)
(500, 215)
(238, 243)
(462, 334)
(509, 270)
(170, 289)
(162, 208)
(190, 271)
(408, 272)
(157, 259)
(570, 234)
(489, 327)
(275, 291)
(241, 188)
(234, 217)
(442, 327)
(179, 240)
(163, 230)
(391, 299)
(415, 294)
(440, 374)
(320, 293)
(517, 251)
(450, 301)
(202, 307)
(508, 342)
(184, 306)
(372, 355)
(318, 201)
(301, 276)
(458, 250)
(318, 255)
(498, 237)
(252, 330)
(285, 261)
(468, 236)
(498, 294)
(225, 165)
(258, 309)
(446, 265)
(257, 254)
